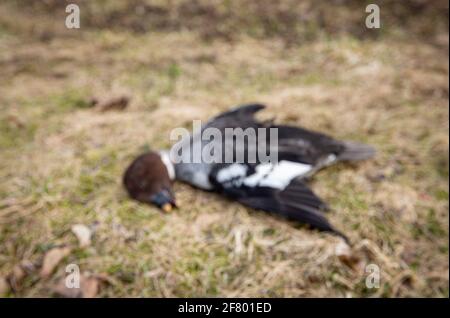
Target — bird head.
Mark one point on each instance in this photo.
(148, 180)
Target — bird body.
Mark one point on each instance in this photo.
(274, 186)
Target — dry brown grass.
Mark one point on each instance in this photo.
(61, 161)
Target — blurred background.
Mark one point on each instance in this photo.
(77, 105)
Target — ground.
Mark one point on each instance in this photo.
(62, 160)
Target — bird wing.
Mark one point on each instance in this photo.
(295, 143)
(241, 116)
(277, 189)
(302, 145)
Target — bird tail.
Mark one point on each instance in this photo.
(354, 151)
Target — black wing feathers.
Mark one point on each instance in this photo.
(242, 111)
(296, 202)
(298, 192)
(295, 144)
(310, 146)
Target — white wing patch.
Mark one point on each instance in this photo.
(277, 175)
(233, 171)
(262, 170)
(273, 175)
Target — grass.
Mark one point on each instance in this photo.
(62, 160)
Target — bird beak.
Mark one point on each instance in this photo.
(167, 207)
(164, 200)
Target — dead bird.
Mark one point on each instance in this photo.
(277, 186)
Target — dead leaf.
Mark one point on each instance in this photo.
(52, 258)
(28, 266)
(114, 103)
(105, 278)
(16, 121)
(346, 255)
(83, 234)
(4, 286)
(89, 288)
(16, 277)
(18, 273)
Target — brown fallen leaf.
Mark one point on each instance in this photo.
(16, 121)
(113, 103)
(83, 234)
(105, 279)
(52, 258)
(347, 256)
(89, 288)
(16, 277)
(4, 286)
(28, 266)
(18, 272)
